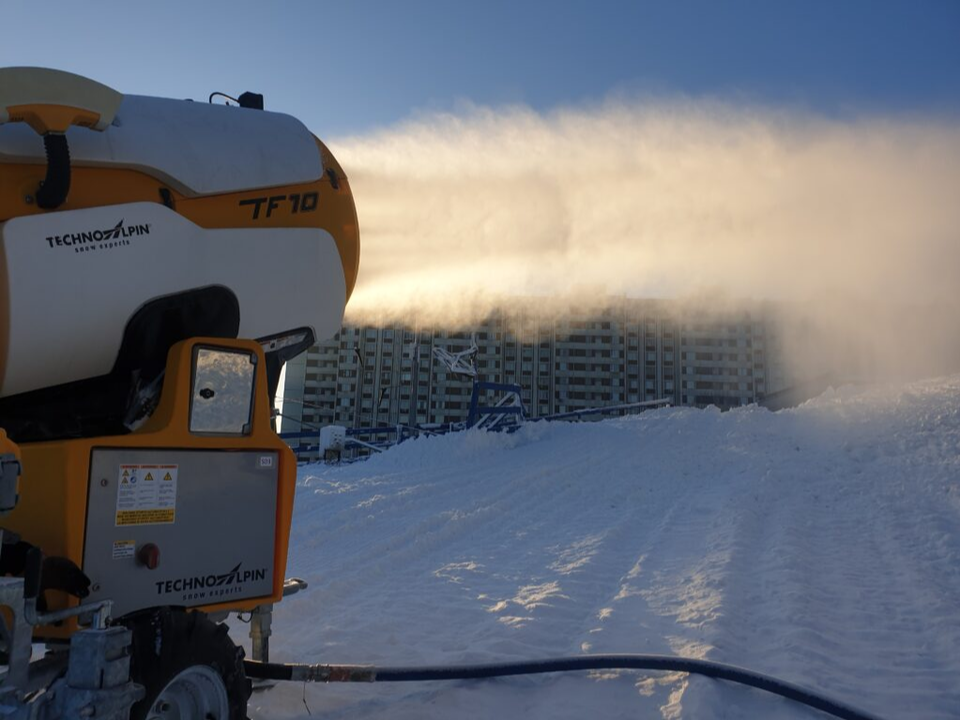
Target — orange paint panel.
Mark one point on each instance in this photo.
(53, 501)
(334, 210)
(52, 118)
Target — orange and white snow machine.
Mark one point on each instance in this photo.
(159, 261)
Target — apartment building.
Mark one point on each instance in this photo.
(564, 358)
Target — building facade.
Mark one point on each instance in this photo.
(564, 359)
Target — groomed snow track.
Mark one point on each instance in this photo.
(820, 545)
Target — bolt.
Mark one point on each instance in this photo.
(104, 482)
(28, 199)
(95, 587)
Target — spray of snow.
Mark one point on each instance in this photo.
(855, 221)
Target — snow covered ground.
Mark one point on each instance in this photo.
(820, 545)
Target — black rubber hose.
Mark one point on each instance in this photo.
(366, 673)
(56, 186)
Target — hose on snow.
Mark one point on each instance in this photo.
(665, 663)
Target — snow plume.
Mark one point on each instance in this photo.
(855, 220)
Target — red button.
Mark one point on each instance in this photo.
(149, 555)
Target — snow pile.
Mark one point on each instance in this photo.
(820, 545)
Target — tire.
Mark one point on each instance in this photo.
(189, 667)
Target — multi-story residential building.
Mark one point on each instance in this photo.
(564, 359)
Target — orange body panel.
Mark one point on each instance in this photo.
(53, 500)
(98, 186)
(52, 118)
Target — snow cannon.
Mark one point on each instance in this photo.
(130, 222)
(159, 261)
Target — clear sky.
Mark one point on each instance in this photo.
(351, 67)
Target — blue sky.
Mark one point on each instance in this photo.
(351, 67)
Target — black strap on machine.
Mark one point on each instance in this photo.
(55, 187)
(40, 572)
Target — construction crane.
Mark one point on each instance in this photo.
(159, 261)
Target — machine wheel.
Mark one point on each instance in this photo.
(189, 666)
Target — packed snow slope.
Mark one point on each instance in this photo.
(820, 545)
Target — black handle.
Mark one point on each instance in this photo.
(31, 573)
(56, 186)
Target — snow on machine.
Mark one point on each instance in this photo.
(159, 261)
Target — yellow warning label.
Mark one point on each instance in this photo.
(141, 500)
(144, 517)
